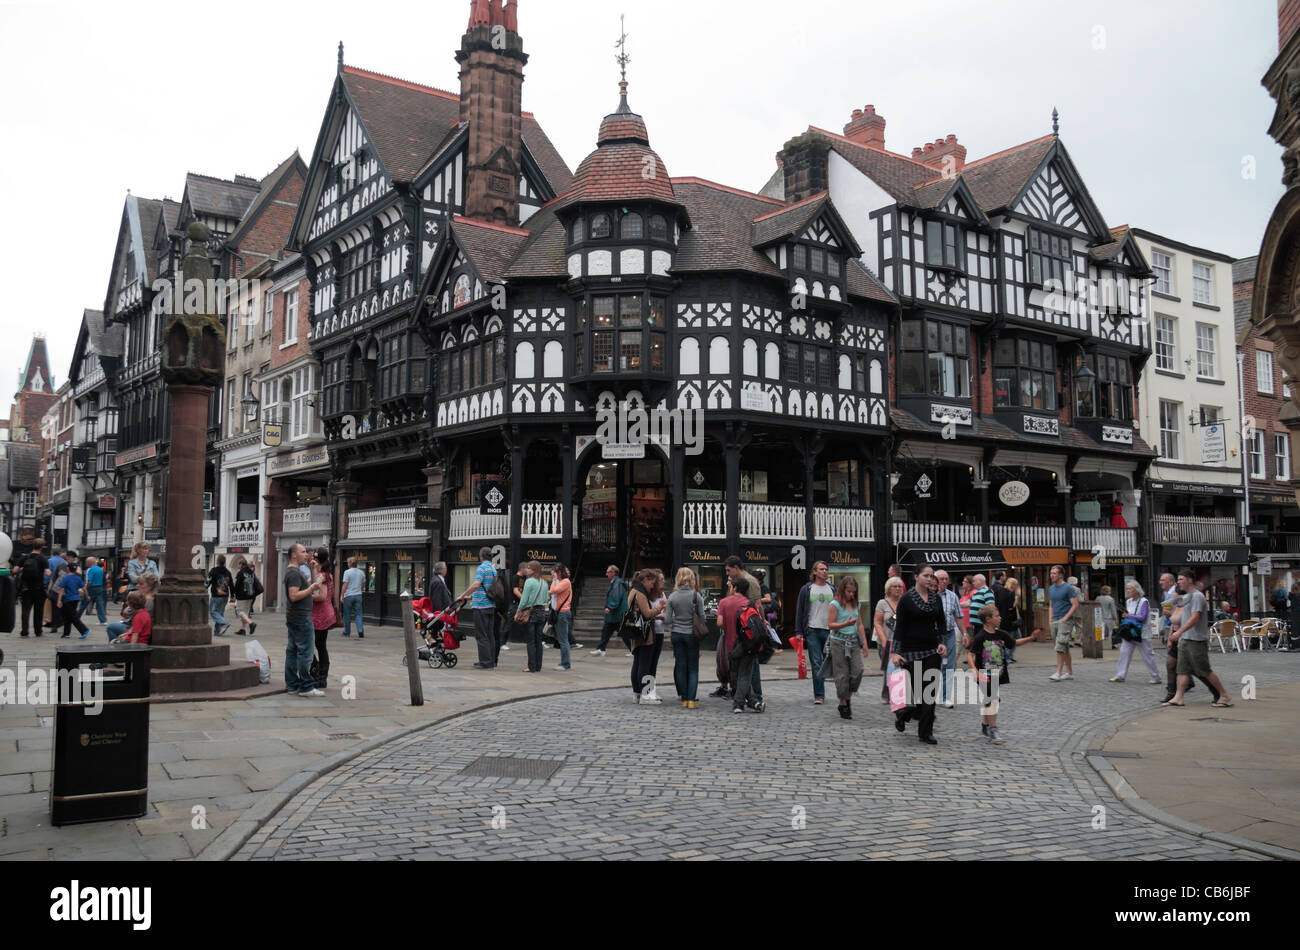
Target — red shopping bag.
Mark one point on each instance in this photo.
(797, 643)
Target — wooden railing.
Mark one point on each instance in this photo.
(1176, 529)
(1118, 541)
(926, 532)
(1027, 535)
(383, 523)
(704, 519)
(312, 519)
(844, 524)
(778, 522)
(244, 532)
(538, 519)
(708, 520)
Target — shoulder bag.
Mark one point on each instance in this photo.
(699, 625)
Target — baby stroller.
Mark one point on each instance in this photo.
(438, 628)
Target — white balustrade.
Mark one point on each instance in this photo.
(704, 519)
(1178, 529)
(1117, 541)
(311, 519)
(382, 523)
(844, 524)
(539, 519)
(779, 522)
(1027, 535)
(924, 532)
(244, 532)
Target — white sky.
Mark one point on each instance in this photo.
(1160, 103)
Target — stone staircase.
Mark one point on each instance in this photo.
(589, 616)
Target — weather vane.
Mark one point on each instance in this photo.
(622, 58)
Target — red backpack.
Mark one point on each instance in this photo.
(751, 630)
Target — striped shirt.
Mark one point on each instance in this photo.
(978, 599)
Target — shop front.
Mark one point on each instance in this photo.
(1222, 567)
(389, 572)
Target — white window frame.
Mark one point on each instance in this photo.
(1203, 282)
(1255, 455)
(1167, 269)
(1264, 371)
(1208, 356)
(1166, 335)
(1171, 438)
(232, 413)
(267, 313)
(303, 422)
(290, 317)
(1282, 456)
(29, 503)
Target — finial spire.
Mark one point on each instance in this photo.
(340, 56)
(622, 59)
(1056, 122)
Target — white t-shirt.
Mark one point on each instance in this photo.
(819, 606)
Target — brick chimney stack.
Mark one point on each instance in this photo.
(866, 128)
(935, 154)
(492, 61)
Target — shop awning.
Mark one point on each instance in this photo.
(1200, 555)
(953, 557)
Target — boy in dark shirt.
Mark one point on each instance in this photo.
(987, 652)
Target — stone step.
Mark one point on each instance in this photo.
(181, 635)
(206, 680)
(190, 656)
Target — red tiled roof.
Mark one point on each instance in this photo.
(995, 180)
(897, 174)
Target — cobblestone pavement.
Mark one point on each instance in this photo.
(796, 782)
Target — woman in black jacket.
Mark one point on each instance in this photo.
(918, 644)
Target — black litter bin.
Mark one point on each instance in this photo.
(100, 767)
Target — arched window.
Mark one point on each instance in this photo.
(688, 356)
(719, 356)
(658, 227)
(600, 226)
(524, 361)
(772, 361)
(877, 378)
(631, 226)
(579, 232)
(846, 371)
(553, 360)
(749, 357)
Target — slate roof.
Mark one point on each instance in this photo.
(150, 211)
(1071, 438)
(490, 247)
(721, 222)
(792, 219)
(542, 254)
(863, 283)
(218, 196)
(1244, 269)
(24, 466)
(996, 179)
(897, 174)
(266, 189)
(409, 124)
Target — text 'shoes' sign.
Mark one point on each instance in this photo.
(77, 903)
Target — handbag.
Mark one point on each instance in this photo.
(898, 690)
(699, 625)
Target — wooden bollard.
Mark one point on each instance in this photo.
(412, 651)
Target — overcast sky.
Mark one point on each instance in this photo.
(1161, 105)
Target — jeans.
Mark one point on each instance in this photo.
(351, 610)
(744, 677)
(116, 629)
(563, 635)
(534, 640)
(645, 661)
(98, 597)
(485, 635)
(815, 643)
(217, 611)
(297, 657)
(686, 665)
(949, 665)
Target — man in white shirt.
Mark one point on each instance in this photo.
(953, 621)
(354, 586)
(812, 622)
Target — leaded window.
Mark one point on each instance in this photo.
(1049, 258)
(1024, 374)
(935, 359)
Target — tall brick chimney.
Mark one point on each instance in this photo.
(936, 153)
(492, 61)
(866, 128)
(804, 162)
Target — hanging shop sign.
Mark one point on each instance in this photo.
(272, 434)
(1013, 494)
(81, 462)
(107, 501)
(925, 486)
(494, 498)
(1087, 511)
(1214, 448)
(137, 454)
(1264, 566)
(426, 518)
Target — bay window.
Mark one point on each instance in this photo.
(623, 333)
(1049, 258)
(1109, 394)
(1024, 374)
(934, 359)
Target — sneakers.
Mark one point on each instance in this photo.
(505, 646)
(1155, 681)
(738, 710)
(575, 646)
(597, 652)
(994, 737)
(629, 654)
(1055, 677)
(310, 694)
(562, 667)
(758, 707)
(720, 693)
(1067, 676)
(1120, 679)
(949, 704)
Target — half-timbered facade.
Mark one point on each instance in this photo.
(394, 164)
(1016, 347)
(92, 510)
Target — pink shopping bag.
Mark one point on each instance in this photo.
(898, 690)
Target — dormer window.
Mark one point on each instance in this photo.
(600, 228)
(631, 227)
(942, 245)
(658, 227)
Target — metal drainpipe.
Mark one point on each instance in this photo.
(1245, 481)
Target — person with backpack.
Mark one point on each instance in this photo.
(31, 587)
(847, 645)
(752, 642)
(247, 589)
(486, 581)
(638, 628)
(615, 608)
(219, 586)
